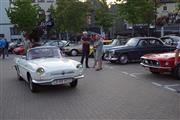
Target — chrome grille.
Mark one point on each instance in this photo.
(150, 62)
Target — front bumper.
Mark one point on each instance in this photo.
(57, 81)
(111, 58)
(157, 68)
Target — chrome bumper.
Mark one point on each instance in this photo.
(111, 58)
(157, 67)
(49, 82)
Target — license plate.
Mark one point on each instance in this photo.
(59, 82)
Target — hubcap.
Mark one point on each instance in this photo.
(124, 59)
(74, 53)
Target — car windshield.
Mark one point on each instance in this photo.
(43, 53)
(132, 42)
(115, 42)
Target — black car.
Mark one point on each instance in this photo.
(135, 48)
(170, 40)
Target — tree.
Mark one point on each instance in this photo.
(70, 15)
(24, 15)
(134, 12)
(104, 17)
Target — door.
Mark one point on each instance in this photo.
(142, 48)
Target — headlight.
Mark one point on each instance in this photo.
(157, 63)
(146, 61)
(40, 71)
(79, 66)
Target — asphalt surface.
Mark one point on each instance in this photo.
(119, 92)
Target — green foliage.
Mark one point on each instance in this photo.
(70, 15)
(133, 11)
(178, 7)
(23, 14)
(104, 17)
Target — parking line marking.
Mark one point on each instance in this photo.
(171, 89)
(157, 84)
(173, 85)
(137, 73)
(132, 75)
(126, 73)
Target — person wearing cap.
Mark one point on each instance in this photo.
(85, 40)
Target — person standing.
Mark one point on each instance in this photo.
(85, 40)
(6, 48)
(2, 45)
(99, 52)
(26, 42)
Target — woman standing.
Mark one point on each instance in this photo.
(99, 52)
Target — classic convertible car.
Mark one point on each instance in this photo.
(46, 66)
(135, 48)
(160, 63)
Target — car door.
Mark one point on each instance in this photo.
(142, 48)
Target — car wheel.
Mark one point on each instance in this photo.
(123, 59)
(177, 72)
(74, 52)
(74, 83)
(18, 73)
(32, 86)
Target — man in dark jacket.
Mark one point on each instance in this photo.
(85, 40)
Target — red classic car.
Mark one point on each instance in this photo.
(19, 50)
(160, 63)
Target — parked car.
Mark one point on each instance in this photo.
(135, 48)
(13, 45)
(75, 49)
(170, 40)
(46, 66)
(160, 63)
(57, 43)
(19, 50)
(115, 42)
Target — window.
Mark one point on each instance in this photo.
(33, 1)
(14, 31)
(50, 0)
(143, 43)
(154, 42)
(41, 0)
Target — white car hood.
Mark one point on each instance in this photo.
(55, 63)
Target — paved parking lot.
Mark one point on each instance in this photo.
(116, 92)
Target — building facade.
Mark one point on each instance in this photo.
(7, 28)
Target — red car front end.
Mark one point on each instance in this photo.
(159, 63)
